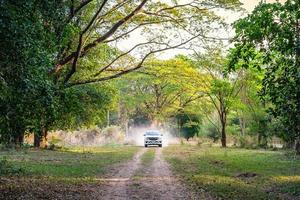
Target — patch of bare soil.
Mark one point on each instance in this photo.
(217, 162)
(247, 175)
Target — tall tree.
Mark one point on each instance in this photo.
(269, 38)
(223, 88)
(27, 48)
(30, 99)
(94, 23)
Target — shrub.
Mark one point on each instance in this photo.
(213, 133)
(247, 142)
(7, 168)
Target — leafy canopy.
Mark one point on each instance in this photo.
(269, 38)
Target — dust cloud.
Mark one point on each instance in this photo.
(99, 137)
(89, 137)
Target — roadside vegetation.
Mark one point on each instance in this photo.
(80, 79)
(235, 173)
(69, 173)
(63, 68)
(74, 163)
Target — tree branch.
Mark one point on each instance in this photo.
(74, 11)
(138, 66)
(121, 55)
(79, 47)
(111, 31)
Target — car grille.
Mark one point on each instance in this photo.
(152, 138)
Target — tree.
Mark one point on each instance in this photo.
(223, 88)
(84, 106)
(253, 113)
(268, 38)
(189, 124)
(26, 53)
(31, 102)
(51, 46)
(163, 88)
(99, 23)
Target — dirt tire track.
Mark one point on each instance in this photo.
(134, 181)
(157, 182)
(117, 180)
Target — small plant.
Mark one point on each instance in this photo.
(6, 168)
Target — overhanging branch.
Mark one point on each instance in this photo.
(138, 66)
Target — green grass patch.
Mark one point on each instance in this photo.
(73, 163)
(237, 173)
(148, 157)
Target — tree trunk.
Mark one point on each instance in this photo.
(259, 139)
(17, 135)
(44, 142)
(242, 126)
(17, 139)
(223, 119)
(223, 134)
(37, 140)
(20, 139)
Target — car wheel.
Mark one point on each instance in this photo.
(160, 145)
(146, 145)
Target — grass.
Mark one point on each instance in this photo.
(148, 157)
(66, 174)
(223, 172)
(67, 164)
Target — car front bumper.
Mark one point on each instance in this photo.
(153, 142)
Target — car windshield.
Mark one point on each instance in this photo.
(153, 133)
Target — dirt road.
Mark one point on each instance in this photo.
(133, 180)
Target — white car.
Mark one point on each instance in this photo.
(153, 138)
